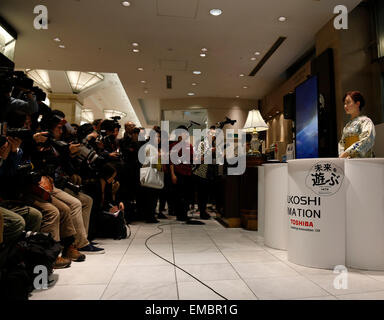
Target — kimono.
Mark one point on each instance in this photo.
(358, 138)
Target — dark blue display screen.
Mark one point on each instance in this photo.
(307, 125)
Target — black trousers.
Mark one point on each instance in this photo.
(149, 202)
(181, 193)
(203, 189)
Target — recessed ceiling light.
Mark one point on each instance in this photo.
(253, 58)
(196, 72)
(257, 53)
(203, 55)
(135, 44)
(143, 81)
(191, 94)
(145, 91)
(194, 84)
(242, 75)
(237, 96)
(126, 3)
(282, 19)
(204, 49)
(57, 39)
(140, 69)
(136, 50)
(245, 87)
(215, 12)
(62, 46)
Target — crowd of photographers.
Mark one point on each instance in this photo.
(79, 183)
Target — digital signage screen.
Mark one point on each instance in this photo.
(307, 124)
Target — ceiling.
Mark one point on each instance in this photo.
(98, 35)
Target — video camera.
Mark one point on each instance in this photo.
(21, 133)
(226, 121)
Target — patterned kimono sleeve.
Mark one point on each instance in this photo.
(342, 143)
(366, 142)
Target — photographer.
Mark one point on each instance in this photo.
(53, 159)
(13, 194)
(21, 97)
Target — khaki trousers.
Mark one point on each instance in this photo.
(76, 214)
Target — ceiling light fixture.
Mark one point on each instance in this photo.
(62, 46)
(126, 3)
(143, 81)
(140, 69)
(191, 94)
(204, 49)
(245, 87)
(257, 53)
(203, 55)
(196, 72)
(282, 19)
(136, 50)
(215, 12)
(253, 58)
(242, 75)
(237, 96)
(80, 81)
(145, 91)
(135, 44)
(194, 84)
(57, 39)
(41, 77)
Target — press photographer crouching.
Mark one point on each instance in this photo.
(54, 159)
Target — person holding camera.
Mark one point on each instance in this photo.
(53, 158)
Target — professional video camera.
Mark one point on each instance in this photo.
(21, 133)
(226, 121)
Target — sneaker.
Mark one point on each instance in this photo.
(205, 216)
(161, 216)
(62, 263)
(153, 220)
(90, 249)
(94, 243)
(73, 254)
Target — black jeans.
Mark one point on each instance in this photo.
(150, 197)
(203, 189)
(181, 195)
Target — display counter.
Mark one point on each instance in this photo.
(275, 205)
(315, 208)
(365, 213)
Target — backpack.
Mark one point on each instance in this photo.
(111, 226)
(38, 249)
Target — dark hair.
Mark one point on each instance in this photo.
(212, 127)
(108, 125)
(75, 125)
(84, 130)
(356, 96)
(107, 171)
(50, 121)
(58, 113)
(182, 127)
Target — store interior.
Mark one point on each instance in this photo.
(196, 64)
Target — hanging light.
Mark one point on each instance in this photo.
(41, 77)
(81, 81)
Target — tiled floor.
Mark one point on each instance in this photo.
(233, 262)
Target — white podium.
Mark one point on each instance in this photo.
(260, 200)
(275, 205)
(316, 212)
(365, 213)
